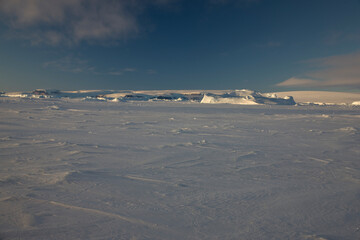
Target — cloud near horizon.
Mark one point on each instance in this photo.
(334, 71)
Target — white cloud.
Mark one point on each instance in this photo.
(29, 12)
(73, 21)
(334, 71)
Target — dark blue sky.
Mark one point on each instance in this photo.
(266, 45)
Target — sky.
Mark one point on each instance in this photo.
(264, 45)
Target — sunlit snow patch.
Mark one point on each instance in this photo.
(247, 97)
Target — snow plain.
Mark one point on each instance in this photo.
(322, 97)
(75, 169)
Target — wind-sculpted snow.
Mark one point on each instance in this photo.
(74, 169)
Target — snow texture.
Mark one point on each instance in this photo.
(82, 168)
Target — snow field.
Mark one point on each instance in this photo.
(72, 169)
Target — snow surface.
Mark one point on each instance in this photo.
(75, 169)
(322, 97)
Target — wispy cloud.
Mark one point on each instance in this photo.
(300, 82)
(269, 44)
(129, 70)
(70, 64)
(77, 65)
(122, 71)
(73, 21)
(334, 71)
(116, 73)
(338, 37)
(151, 71)
(232, 1)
